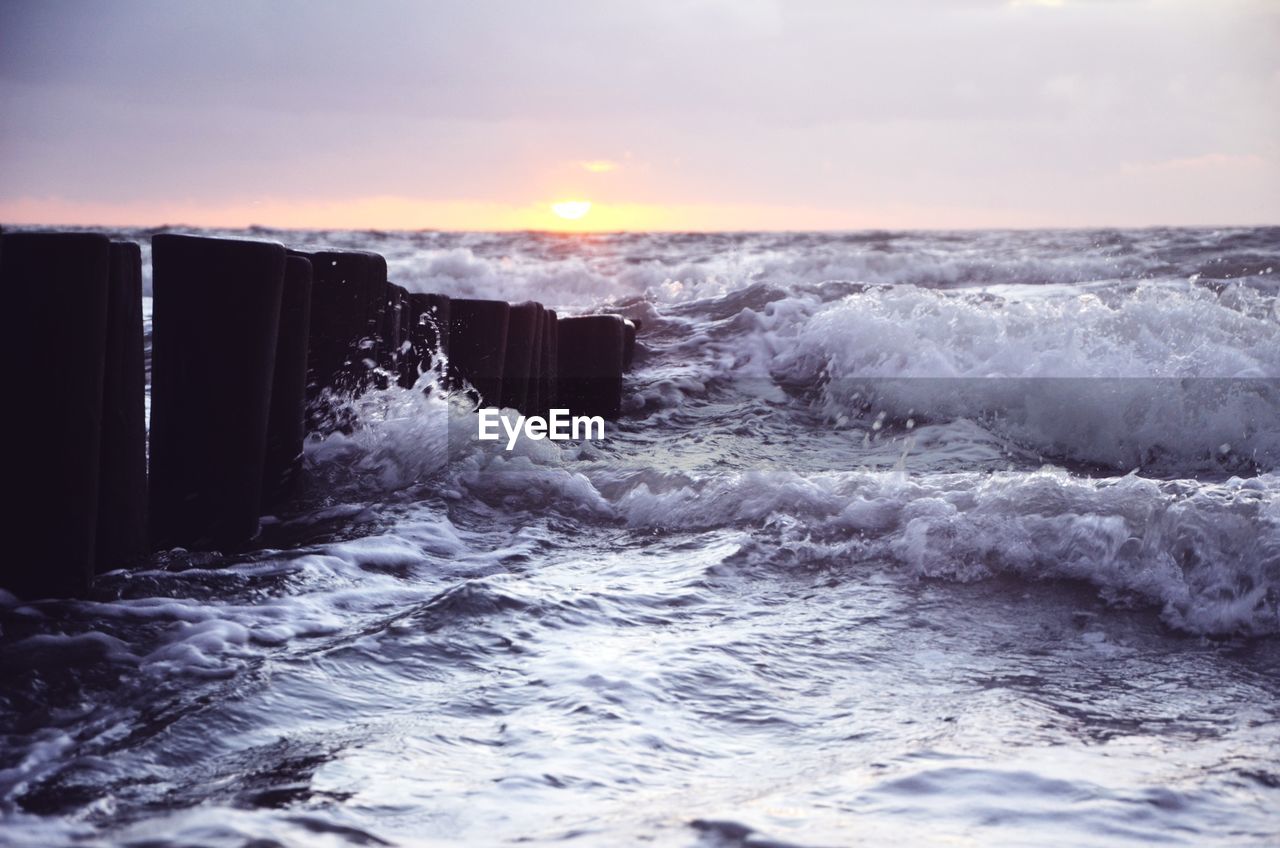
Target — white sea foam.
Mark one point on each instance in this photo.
(1207, 555)
(1170, 376)
(402, 438)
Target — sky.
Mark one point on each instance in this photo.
(600, 115)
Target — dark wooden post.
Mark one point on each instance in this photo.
(122, 499)
(53, 333)
(478, 346)
(522, 332)
(348, 298)
(286, 427)
(548, 389)
(590, 364)
(533, 384)
(428, 332)
(389, 334)
(215, 330)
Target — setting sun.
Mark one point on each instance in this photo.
(571, 210)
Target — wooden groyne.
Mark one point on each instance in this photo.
(251, 344)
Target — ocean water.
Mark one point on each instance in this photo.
(939, 538)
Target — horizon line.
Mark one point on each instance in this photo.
(165, 227)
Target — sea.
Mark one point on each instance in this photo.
(912, 538)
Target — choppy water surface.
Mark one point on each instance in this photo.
(931, 537)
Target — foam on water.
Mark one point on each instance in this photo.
(1207, 555)
(1172, 376)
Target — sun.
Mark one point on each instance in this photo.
(571, 210)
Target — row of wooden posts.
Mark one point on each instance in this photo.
(253, 347)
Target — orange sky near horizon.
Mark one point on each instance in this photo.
(400, 213)
(406, 213)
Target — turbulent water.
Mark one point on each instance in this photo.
(929, 537)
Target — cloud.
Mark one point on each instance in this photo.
(1206, 162)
